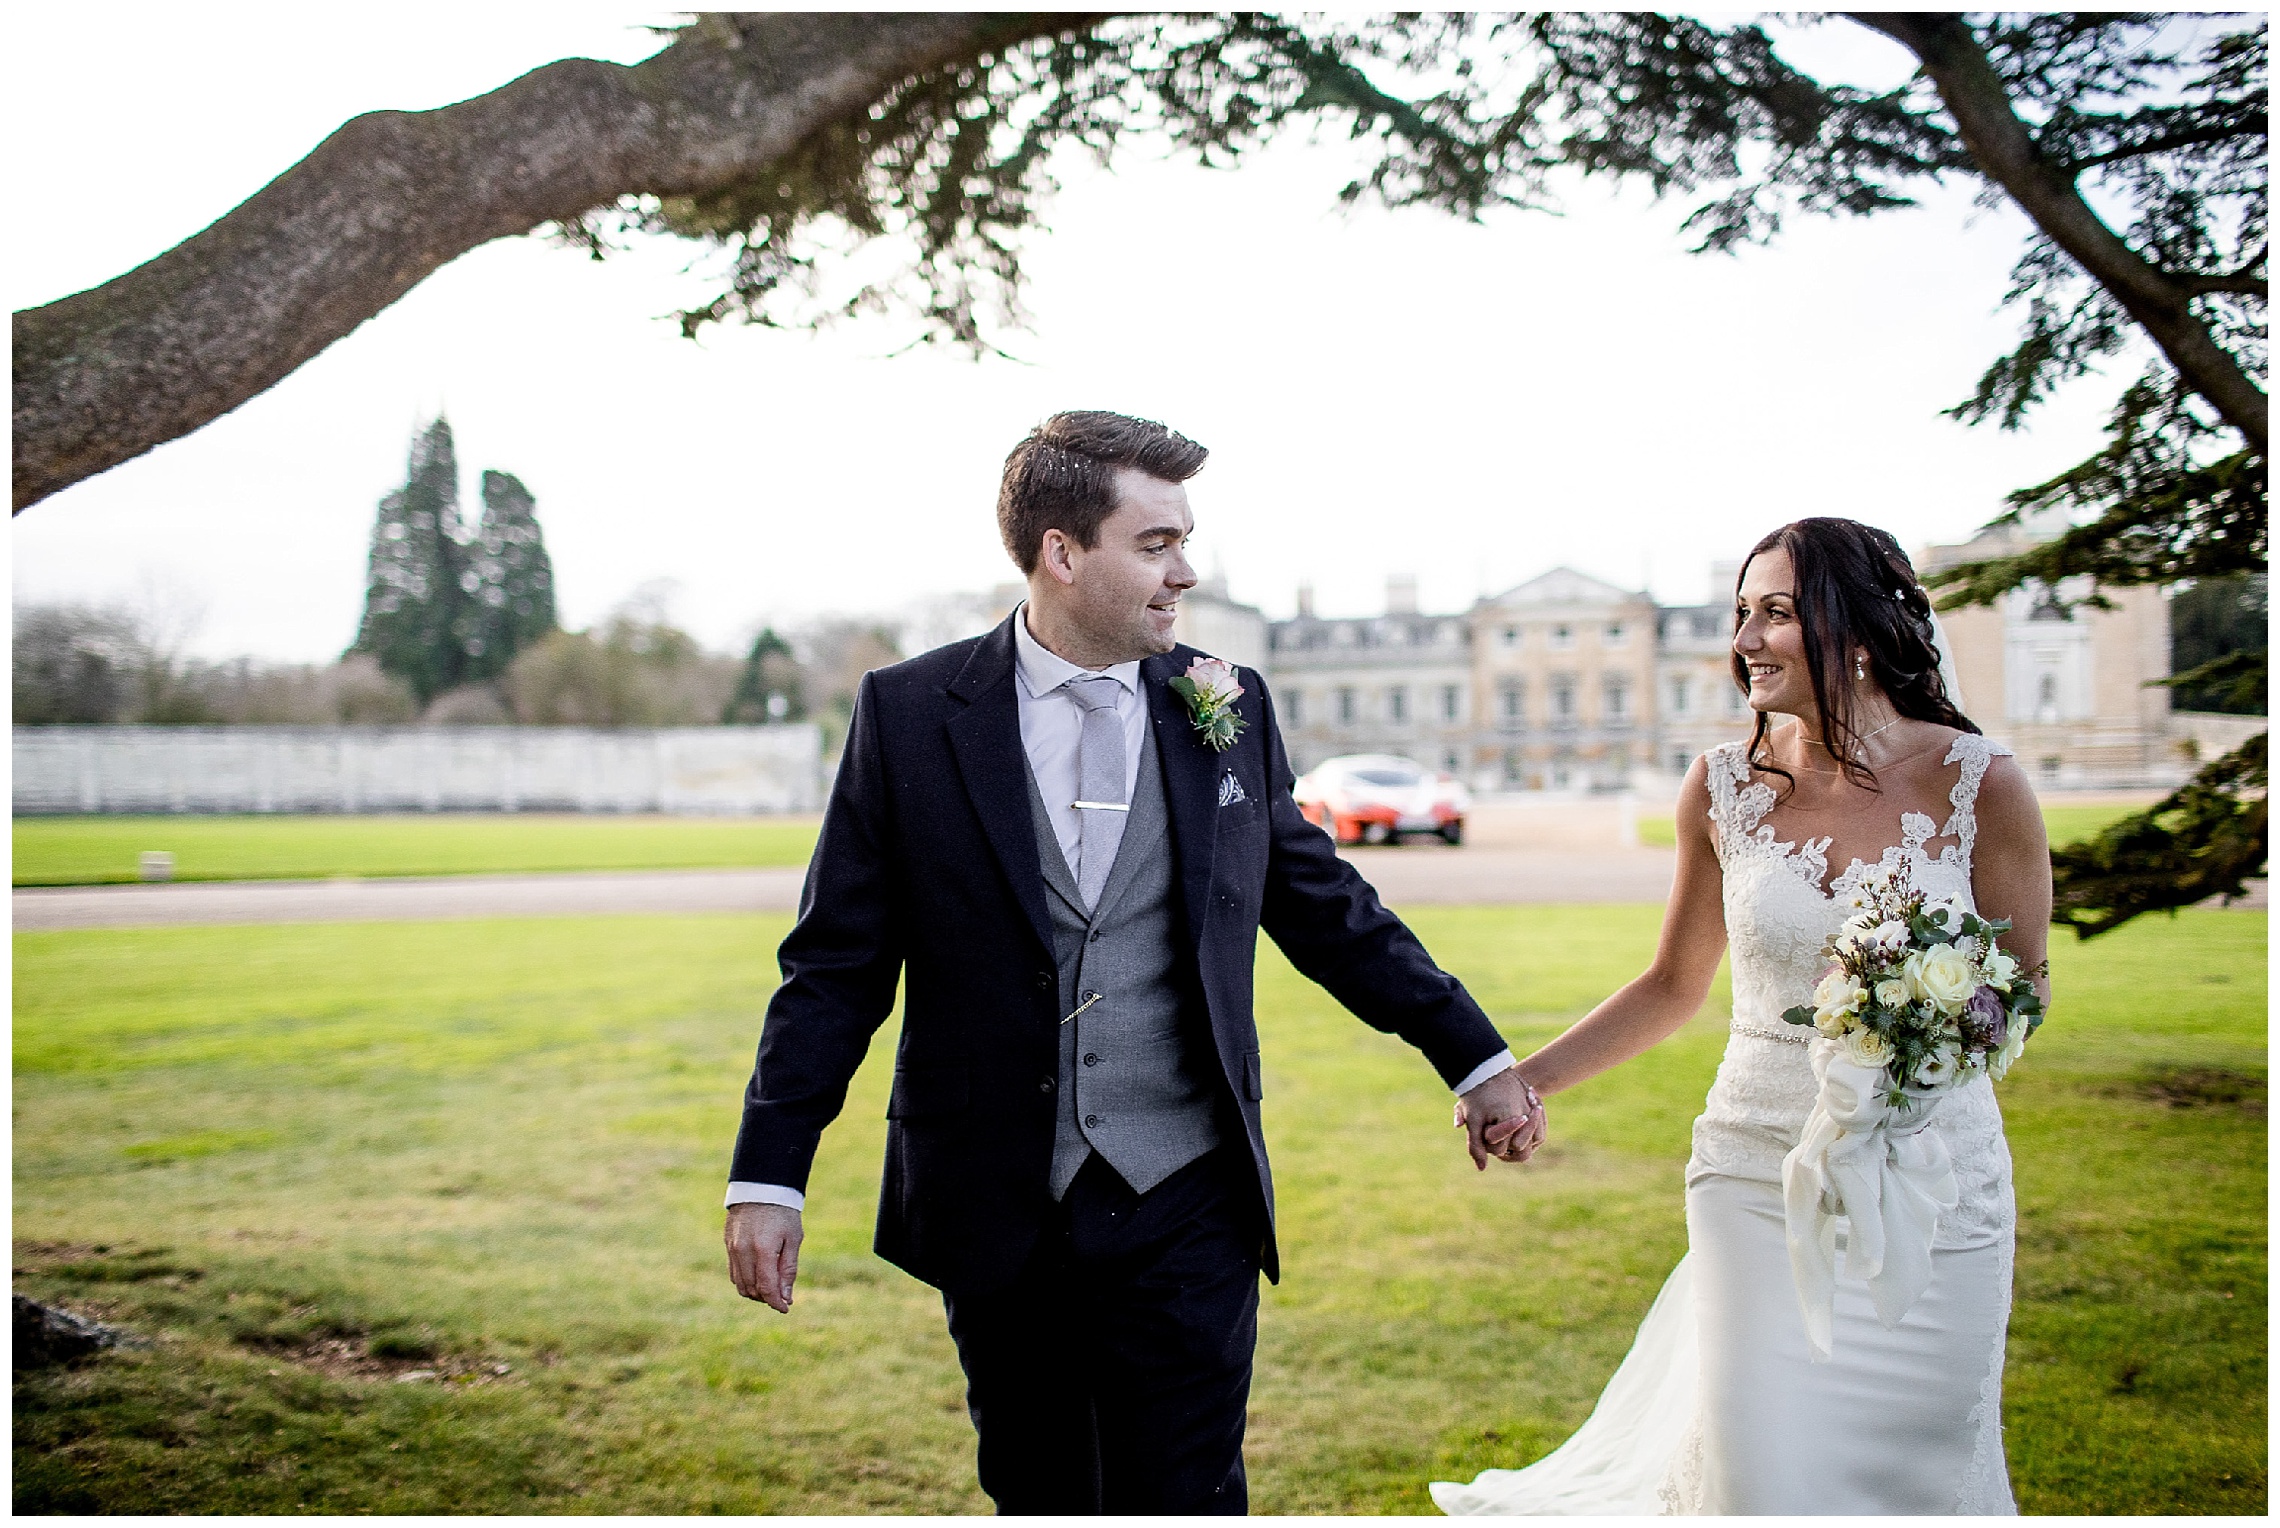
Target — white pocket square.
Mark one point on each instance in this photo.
(1230, 789)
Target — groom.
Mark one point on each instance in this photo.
(1033, 833)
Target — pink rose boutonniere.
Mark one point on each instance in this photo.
(1210, 690)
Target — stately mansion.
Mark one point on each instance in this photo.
(1568, 683)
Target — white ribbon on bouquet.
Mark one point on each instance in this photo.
(1878, 1167)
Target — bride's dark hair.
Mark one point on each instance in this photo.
(1855, 590)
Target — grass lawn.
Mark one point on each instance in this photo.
(2066, 824)
(309, 1163)
(82, 851)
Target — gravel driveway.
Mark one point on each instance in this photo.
(1411, 874)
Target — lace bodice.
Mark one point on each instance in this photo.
(1778, 917)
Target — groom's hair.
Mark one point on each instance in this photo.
(1062, 477)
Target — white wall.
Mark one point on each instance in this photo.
(725, 770)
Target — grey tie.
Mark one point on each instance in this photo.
(1103, 799)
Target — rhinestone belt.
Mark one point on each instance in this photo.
(1788, 1034)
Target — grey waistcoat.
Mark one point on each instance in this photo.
(1135, 1066)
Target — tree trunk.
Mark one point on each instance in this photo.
(103, 376)
(2005, 151)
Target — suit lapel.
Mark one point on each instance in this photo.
(1191, 787)
(986, 740)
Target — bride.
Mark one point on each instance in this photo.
(1760, 1383)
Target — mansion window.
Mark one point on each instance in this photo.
(1736, 702)
(1452, 702)
(1616, 634)
(1618, 700)
(1295, 704)
(1345, 707)
(1397, 704)
(1680, 761)
(1681, 696)
(1510, 636)
(1563, 699)
(1511, 701)
(1563, 638)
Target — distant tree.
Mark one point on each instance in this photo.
(445, 608)
(76, 663)
(2213, 620)
(416, 608)
(770, 688)
(512, 603)
(635, 670)
(840, 651)
(248, 692)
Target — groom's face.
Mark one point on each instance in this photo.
(1123, 591)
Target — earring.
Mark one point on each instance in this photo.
(1860, 666)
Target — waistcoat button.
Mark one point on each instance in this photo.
(1091, 1120)
(1045, 1086)
(1091, 1059)
(1044, 981)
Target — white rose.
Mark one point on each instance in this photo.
(1866, 1047)
(2001, 969)
(1941, 976)
(1892, 993)
(1832, 1024)
(1838, 994)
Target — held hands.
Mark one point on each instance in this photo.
(763, 1252)
(1502, 1118)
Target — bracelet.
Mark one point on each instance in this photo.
(1528, 1091)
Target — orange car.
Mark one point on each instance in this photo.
(1374, 798)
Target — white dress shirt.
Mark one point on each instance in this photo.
(1051, 724)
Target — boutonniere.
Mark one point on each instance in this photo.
(1210, 690)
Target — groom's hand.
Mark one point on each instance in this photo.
(1498, 1122)
(763, 1252)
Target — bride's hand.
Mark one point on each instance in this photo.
(1501, 1118)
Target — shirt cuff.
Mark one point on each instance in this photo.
(789, 1198)
(1473, 1079)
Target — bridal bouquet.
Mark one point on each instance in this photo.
(1919, 1000)
(1920, 990)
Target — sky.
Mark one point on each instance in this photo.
(1383, 393)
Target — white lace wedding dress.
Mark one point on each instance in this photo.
(1721, 1405)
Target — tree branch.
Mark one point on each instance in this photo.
(2005, 152)
(107, 374)
(2215, 132)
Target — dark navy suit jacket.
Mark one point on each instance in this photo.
(926, 870)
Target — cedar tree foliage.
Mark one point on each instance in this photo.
(446, 605)
(794, 148)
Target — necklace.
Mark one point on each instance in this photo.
(1858, 738)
